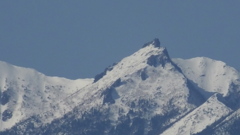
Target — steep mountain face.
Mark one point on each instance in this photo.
(146, 93)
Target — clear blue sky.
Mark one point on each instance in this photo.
(79, 38)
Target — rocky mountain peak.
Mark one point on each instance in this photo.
(155, 42)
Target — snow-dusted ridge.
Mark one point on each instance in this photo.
(146, 93)
(203, 116)
(26, 92)
(210, 75)
(122, 69)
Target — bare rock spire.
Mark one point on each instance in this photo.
(155, 42)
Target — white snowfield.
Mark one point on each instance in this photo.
(210, 75)
(193, 87)
(199, 118)
(32, 92)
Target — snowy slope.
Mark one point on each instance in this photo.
(146, 93)
(146, 85)
(203, 116)
(210, 75)
(228, 126)
(26, 92)
(147, 74)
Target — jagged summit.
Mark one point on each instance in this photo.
(155, 43)
(152, 54)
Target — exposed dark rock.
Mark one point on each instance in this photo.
(7, 114)
(101, 75)
(107, 96)
(144, 75)
(233, 99)
(155, 42)
(156, 60)
(111, 94)
(5, 96)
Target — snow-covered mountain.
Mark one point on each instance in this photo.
(26, 92)
(146, 93)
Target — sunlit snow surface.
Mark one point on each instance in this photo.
(187, 95)
(203, 116)
(31, 92)
(208, 74)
